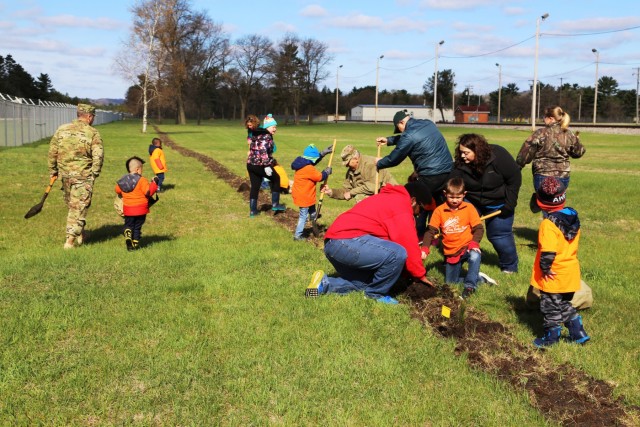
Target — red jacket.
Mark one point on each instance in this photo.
(387, 215)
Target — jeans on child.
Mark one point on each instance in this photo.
(364, 263)
(452, 271)
(160, 179)
(308, 212)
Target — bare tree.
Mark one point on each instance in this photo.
(286, 77)
(314, 58)
(140, 57)
(251, 58)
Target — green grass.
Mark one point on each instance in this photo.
(207, 325)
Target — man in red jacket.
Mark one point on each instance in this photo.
(372, 243)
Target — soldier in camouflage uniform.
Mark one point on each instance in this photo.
(360, 179)
(76, 155)
(550, 148)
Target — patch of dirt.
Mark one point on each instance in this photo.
(561, 393)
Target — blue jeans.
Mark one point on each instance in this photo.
(500, 234)
(160, 179)
(452, 271)
(537, 181)
(364, 263)
(302, 219)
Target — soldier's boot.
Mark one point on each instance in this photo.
(69, 243)
(82, 237)
(136, 244)
(577, 334)
(127, 239)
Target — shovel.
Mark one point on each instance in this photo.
(377, 174)
(314, 223)
(37, 208)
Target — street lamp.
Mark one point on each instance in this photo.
(595, 96)
(499, 89)
(375, 119)
(535, 73)
(435, 82)
(337, 93)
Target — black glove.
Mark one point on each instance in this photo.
(506, 212)
(328, 170)
(326, 151)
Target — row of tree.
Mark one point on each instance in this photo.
(17, 82)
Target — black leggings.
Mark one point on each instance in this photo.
(135, 224)
(257, 174)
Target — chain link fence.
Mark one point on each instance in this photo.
(23, 121)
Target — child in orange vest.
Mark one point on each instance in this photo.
(556, 270)
(136, 192)
(157, 160)
(305, 178)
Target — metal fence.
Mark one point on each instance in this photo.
(23, 121)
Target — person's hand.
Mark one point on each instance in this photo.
(326, 151)
(506, 212)
(268, 171)
(549, 276)
(426, 282)
(381, 140)
(347, 195)
(326, 190)
(424, 252)
(52, 174)
(328, 170)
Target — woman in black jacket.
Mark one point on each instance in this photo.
(492, 180)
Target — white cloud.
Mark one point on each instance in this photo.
(513, 11)
(458, 4)
(284, 27)
(314, 11)
(596, 24)
(72, 21)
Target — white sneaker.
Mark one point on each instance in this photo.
(487, 279)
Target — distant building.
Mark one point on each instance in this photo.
(367, 113)
(472, 113)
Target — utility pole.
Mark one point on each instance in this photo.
(637, 87)
(560, 93)
(469, 89)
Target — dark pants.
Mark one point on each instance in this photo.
(556, 308)
(436, 184)
(256, 175)
(160, 179)
(134, 223)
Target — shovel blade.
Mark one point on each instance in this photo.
(33, 211)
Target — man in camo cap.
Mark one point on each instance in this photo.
(360, 179)
(76, 155)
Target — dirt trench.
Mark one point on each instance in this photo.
(562, 393)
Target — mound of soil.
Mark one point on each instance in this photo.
(562, 393)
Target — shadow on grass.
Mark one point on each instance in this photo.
(527, 234)
(114, 231)
(527, 315)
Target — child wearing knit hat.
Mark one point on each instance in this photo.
(556, 270)
(305, 178)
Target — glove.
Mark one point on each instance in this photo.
(328, 170)
(326, 151)
(156, 180)
(268, 171)
(506, 212)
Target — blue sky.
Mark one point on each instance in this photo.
(75, 42)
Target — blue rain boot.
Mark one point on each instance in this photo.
(253, 207)
(551, 336)
(275, 202)
(577, 334)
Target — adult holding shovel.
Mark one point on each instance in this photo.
(37, 208)
(76, 155)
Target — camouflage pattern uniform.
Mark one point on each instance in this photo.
(550, 149)
(76, 155)
(361, 182)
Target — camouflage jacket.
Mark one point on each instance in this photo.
(76, 151)
(550, 149)
(361, 183)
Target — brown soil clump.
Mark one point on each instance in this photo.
(560, 392)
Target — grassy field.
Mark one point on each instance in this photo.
(208, 325)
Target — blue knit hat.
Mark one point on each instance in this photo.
(269, 121)
(311, 153)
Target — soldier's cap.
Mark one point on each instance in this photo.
(348, 153)
(86, 108)
(133, 158)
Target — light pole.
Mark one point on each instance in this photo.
(535, 73)
(595, 95)
(375, 119)
(637, 73)
(337, 93)
(499, 89)
(435, 82)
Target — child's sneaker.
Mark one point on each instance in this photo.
(467, 293)
(486, 279)
(315, 287)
